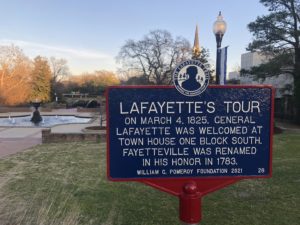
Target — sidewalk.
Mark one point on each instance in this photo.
(13, 140)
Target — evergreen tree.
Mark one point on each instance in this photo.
(41, 80)
(278, 34)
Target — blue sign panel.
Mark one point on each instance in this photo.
(156, 132)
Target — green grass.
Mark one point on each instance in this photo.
(66, 184)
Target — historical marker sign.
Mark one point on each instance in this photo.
(154, 132)
(189, 139)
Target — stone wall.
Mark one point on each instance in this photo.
(22, 109)
(88, 110)
(48, 137)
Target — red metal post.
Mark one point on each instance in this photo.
(190, 204)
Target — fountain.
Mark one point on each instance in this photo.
(47, 121)
(36, 120)
(36, 116)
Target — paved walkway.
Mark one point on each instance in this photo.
(16, 139)
(13, 140)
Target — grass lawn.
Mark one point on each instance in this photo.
(66, 184)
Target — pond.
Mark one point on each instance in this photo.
(48, 121)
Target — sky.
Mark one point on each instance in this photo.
(90, 33)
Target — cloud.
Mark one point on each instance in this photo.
(79, 60)
(73, 52)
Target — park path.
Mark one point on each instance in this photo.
(16, 139)
(289, 127)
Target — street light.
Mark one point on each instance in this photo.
(219, 30)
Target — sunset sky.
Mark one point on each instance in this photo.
(89, 33)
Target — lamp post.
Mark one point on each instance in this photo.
(219, 29)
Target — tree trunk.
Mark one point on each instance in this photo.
(297, 84)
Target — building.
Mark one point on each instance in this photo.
(283, 83)
(248, 60)
(235, 75)
(251, 59)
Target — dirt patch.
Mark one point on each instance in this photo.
(277, 130)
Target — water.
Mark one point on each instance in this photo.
(48, 121)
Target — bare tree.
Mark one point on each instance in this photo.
(155, 56)
(59, 68)
(59, 71)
